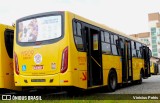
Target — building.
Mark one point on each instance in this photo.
(154, 25)
(152, 38)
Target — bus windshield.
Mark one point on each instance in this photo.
(40, 29)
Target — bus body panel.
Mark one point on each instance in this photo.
(110, 62)
(152, 68)
(51, 54)
(138, 64)
(77, 60)
(27, 64)
(6, 63)
(47, 80)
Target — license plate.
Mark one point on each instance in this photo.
(38, 80)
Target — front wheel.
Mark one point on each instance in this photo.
(112, 81)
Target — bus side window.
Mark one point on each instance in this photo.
(105, 39)
(78, 36)
(114, 46)
(134, 54)
(116, 41)
(102, 36)
(138, 45)
(8, 35)
(112, 39)
(121, 43)
(141, 51)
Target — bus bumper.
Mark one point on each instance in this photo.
(47, 80)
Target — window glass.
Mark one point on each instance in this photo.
(102, 36)
(132, 44)
(107, 37)
(9, 42)
(154, 50)
(74, 28)
(134, 54)
(153, 38)
(119, 50)
(40, 29)
(121, 43)
(153, 41)
(153, 29)
(111, 39)
(95, 41)
(139, 54)
(115, 39)
(154, 46)
(114, 50)
(155, 54)
(79, 29)
(79, 42)
(138, 45)
(106, 48)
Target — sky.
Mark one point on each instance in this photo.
(128, 16)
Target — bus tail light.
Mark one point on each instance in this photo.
(16, 63)
(64, 64)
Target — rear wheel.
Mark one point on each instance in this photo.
(112, 81)
(141, 76)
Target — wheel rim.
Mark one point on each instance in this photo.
(113, 81)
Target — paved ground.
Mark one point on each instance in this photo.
(149, 86)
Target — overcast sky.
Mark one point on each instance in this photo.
(128, 16)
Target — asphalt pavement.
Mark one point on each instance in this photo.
(149, 86)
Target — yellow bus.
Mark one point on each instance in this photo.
(62, 49)
(154, 68)
(6, 58)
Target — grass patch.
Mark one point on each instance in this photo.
(85, 101)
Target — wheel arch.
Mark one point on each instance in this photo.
(109, 85)
(112, 69)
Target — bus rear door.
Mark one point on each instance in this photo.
(94, 56)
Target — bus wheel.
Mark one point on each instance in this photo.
(112, 81)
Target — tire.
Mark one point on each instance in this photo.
(112, 81)
(140, 80)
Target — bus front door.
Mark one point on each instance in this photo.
(146, 55)
(94, 56)
(126, 58)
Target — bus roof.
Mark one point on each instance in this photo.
(104, 27)
(7, 26)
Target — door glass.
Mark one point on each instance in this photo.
(95, 41)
